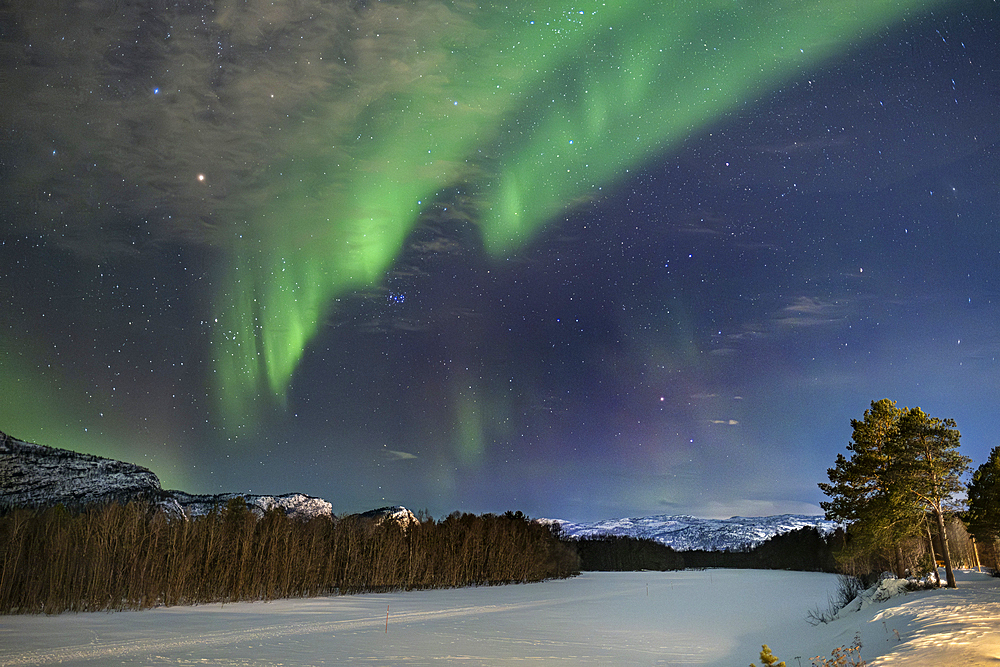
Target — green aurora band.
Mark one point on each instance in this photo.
(532, 110)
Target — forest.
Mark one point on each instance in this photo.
(135, 556)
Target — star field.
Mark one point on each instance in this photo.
(584, 261)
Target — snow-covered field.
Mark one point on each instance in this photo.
(709, 617)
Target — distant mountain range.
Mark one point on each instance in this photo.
(683, 533)
(39, 476)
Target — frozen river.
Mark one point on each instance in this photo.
(709, 617)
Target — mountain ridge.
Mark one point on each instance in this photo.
(687, 533)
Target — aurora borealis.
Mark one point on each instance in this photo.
(582, 259)
(558, 100)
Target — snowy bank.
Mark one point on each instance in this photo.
(933, 627)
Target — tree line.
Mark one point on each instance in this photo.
(901, 493)
(134, 556)
(623, 553)
(803, 549)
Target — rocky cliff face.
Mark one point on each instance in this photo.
(39, 476)
(35, 476)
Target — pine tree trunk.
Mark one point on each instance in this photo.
(900, 563)
(930, 541)
(946, 552)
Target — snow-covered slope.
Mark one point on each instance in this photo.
(684, 533)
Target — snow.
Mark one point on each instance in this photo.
(707, 617)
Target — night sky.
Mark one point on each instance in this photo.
(583, 260)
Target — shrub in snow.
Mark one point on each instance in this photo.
(849, 588)
(767, 658)
(845, 656)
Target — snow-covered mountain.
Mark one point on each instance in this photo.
(684, 533)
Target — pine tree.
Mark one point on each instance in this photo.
(984, 499)
(930, 468)
(864, 493)
(904, 465)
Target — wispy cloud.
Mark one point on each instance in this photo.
(811, 311)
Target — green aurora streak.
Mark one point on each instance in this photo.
(533, 114)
